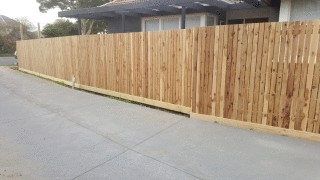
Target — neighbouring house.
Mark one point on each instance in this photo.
(299, 10)
(155, 15)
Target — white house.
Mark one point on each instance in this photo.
(299, 10)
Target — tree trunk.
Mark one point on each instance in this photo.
(87, 26)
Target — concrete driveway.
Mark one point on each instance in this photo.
(48, 131)
(8, 61)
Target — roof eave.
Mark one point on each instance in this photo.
(80, 13)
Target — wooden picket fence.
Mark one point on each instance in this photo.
(265, 73)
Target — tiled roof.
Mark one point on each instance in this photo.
(116, 6)
(4, 20)
(119, 2)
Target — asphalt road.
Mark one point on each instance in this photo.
(48, 131)
(8, 61)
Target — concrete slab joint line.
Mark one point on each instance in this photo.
(99, 165)
(48, 131)
(131, 149)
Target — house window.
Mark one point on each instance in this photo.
(170, 23)
(174, 22)
(193, 22)
(152, 25)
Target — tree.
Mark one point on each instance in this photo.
(29, 29)
(11, 33)
(45, 5)
(88, 26)
(27, 24)
(6, 45)
(60, 28)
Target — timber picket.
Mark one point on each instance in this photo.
(279, 60)
(312, 124)
(277, 68)
(237, 92)
(252, 86)
(242, 87)
(224, 68)
(258, 74)
(300, 124)
(270, 61)
(264, 61)
(215, 93)
(210, 71)
(308, 122)
(248, 77)
(232, 77)
(298, 68)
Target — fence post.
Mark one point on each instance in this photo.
(39, 31)
(79, 26)
(21, 32)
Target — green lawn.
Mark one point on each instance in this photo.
(6, 55)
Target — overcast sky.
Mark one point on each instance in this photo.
(29, 9)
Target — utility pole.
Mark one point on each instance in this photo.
(21, 32)
(39, 31)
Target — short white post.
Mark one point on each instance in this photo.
(73, 81)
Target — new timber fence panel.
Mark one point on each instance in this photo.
(271, 74)
(151, 66)
(264, 73)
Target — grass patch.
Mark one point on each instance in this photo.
(110, 97)
(6, 55)
(14, 68)
(56, 82)
(133, 102)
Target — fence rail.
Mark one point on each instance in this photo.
(264, 73)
